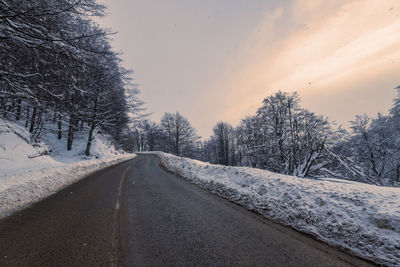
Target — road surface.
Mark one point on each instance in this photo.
(137, 214)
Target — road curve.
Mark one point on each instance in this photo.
(137, 214)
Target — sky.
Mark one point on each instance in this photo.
(216, 60)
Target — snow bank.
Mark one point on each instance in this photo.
(361, 218)
(27, 176)
(18, 155)
(18, 191)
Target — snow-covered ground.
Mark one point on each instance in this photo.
(27, 177)
(18, 155)
(362, 218)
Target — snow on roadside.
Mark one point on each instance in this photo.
(28, 175)
(18, 191)
(362, 218)
(19, 155)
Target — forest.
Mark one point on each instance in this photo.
(59, 74)
(285, 138)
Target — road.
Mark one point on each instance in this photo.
(137, 214)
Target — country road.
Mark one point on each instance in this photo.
(137, 214)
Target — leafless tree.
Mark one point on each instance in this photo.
(180, 135)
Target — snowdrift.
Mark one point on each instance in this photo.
(360, 218)
(28, 175)
(19, 191)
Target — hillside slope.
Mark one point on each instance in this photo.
(30, 172)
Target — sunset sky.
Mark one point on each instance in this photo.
(215, 60)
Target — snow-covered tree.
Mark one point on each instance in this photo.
(371, 152)
(221, 147)
(284, 138)
(57, 64)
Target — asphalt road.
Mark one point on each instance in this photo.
(137, 214)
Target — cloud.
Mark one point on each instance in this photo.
(314, 46)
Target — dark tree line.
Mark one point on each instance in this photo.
(58, 71)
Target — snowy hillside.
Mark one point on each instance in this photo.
(29, 172)
(18, 155)
(364, 219)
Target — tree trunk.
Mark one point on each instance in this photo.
(19, 105)
(226, 151)
(92, 125)
(11, 107)
(177, 148)
(39, 124)
(90, 139)
(70, 132)
(59, 132)
(4, 108)
(28, 109)
(76, 122)
(33, 118)
(151, 142)
(312, 160)
(281, 155)
(2, 101)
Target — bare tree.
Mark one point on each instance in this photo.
(180, 135)
(224, 144)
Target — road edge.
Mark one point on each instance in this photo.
(311, 235)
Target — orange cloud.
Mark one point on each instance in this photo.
(312, 46)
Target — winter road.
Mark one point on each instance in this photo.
(136, 214)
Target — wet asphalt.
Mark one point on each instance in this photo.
(137, 214)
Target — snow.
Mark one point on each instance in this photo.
(360, 218)
(18, 155)
(26, 177)
(15, 151)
